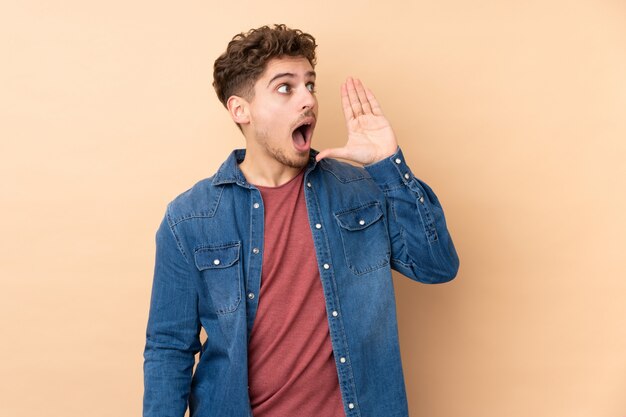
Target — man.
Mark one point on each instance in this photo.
(284, 256)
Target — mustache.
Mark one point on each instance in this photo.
(308, 113)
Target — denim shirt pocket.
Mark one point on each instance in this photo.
(365, 238)
(220, 269)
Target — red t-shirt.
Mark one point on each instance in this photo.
(290, 359)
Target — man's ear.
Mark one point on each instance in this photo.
(238, 109)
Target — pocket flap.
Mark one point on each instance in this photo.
(212, 257)
(359, 218)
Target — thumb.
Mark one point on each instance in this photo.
(332, 153)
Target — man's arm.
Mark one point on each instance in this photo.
(172, 337)
(422, 248)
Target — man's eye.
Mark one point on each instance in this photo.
(311, 87)
(283, 89)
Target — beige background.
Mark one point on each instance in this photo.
(513, 111)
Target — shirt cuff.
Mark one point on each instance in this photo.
(390, 171)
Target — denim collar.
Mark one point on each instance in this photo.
(229, 172)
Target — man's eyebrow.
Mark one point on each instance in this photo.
(290, 75)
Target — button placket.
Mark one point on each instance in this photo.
(252, 283)
(337, 332)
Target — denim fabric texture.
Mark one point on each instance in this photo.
(364, 222)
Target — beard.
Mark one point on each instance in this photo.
(298, 160)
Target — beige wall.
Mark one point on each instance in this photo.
(514, 112)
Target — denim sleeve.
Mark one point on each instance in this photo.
(421, 247)
(172, 337)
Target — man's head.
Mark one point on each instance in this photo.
(247, 55)
(267, 82)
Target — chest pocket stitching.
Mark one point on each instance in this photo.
(357, 225)
(223, 284)
(227, 255)
(359, 218)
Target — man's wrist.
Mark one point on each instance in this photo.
(391, 170)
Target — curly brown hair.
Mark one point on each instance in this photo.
(247, 54)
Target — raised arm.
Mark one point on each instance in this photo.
(422, 248)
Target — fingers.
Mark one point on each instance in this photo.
(353, 96)
(357, 100)
(362, 96)
(376, 110)
(345, 103)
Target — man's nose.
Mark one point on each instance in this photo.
(308, 100)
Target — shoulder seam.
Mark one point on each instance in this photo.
(173, 231)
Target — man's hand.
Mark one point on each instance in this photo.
(370, 137)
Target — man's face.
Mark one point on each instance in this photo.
(283, 113)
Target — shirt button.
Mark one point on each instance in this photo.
(308, 184)
(318, 226)
(407, 176)
(342, 360)
(216, 262)
(256, 205)
(422, 199)
(334, 313)
(350, 406)
(255, 251)
(398, 160)
(361, 222)
(326, 266)
(251, 296)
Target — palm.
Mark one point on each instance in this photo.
(370, 136)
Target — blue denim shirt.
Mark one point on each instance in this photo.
(364, 222)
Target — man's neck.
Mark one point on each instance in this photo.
(261, 169)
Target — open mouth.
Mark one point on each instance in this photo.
(301, 135)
